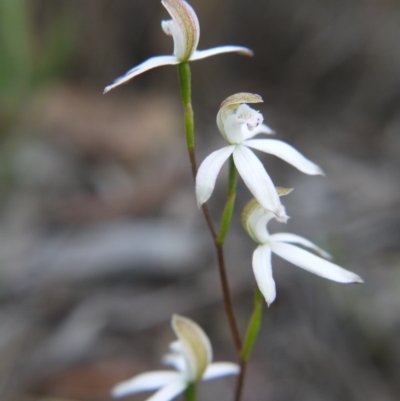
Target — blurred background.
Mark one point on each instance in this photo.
(100, 237)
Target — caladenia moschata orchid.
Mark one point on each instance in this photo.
(191, 356)
(185, 31)
(255, 219)
(239, 124)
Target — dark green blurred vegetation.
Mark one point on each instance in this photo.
(30, 55)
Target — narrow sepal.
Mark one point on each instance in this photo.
(263, 273)
(285, 152)
(297, 239)
(314, 264)
(144, 382)
(220, 369)
(208, 173)
(257, 180)
(139, 69)
(200, 54)
(170, 391)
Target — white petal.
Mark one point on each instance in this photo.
(263, 272)
(208, 172)
(257, 180)
(145, 382)
(200, 54)
(170, 391)
(296, 239)
(285, 152)
(175, 360)
(176, 346)
(314, 264)
(262, 129)
(220, 369)
(139, 69)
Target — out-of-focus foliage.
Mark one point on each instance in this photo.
(29, 56)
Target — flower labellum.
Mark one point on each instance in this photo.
(185, 31)
(191, 356)
(238, 124)
(254, 220)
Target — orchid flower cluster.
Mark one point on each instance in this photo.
(240, 125)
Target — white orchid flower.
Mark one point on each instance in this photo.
(191, 356)
(254, 220)
(185, 31)
(238, 124)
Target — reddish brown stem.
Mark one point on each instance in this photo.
(184, 79)
(240, 381)
(221, 266)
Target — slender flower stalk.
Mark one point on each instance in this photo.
(253, 327)
(186, 93)
(190, 393)
(230, 203)
(185, 31)
(219, 239)
(185, 83)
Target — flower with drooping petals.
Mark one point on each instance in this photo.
(191, 357)
(254, 220)
(238, 124)
(185, 31)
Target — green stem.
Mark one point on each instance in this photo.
(190, 393)
(185, 83)
(230, 203)
(186, 92)
(230, 314)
